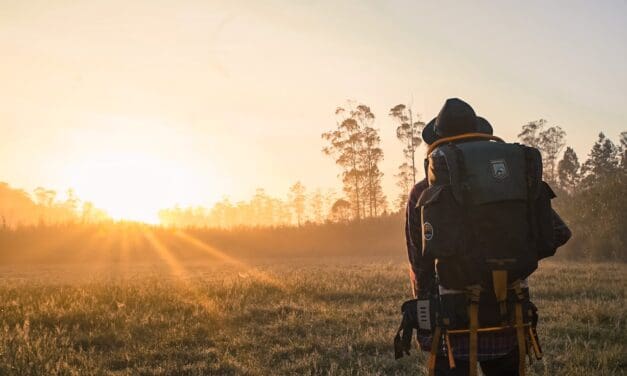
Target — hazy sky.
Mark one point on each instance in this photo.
(166, 102)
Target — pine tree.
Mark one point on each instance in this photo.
(602, 161)
(568, 170)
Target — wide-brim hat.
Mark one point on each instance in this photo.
(456, 117)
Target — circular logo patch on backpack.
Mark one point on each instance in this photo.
(427, 231)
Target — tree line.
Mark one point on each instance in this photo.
(355, 146)
(590, 191)
(590, 194)
(43, 206)
(262, 210)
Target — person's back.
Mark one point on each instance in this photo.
(483, 216)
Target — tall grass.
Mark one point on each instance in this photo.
(334, 316)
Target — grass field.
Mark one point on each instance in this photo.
(304, 317)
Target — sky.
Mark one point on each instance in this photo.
(147, 104)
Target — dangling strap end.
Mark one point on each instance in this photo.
(449, 349)
(435, 343)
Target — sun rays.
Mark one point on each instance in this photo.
(165, 254)
(189, 281)
(240, 265)
(192, 294)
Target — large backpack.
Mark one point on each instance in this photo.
(486, 220)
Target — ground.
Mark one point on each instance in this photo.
(303, 317)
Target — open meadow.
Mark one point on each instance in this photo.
(302, 316)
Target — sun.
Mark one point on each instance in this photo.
(130, 186)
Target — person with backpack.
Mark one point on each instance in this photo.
(476, 227)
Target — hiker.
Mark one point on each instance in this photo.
(476, 227)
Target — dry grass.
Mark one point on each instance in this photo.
(305, 317)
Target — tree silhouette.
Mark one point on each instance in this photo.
(354, 144)
(602, 161)
(550, 142)
(371, 155)
(297, 201)
(551, 145)
(530, 134)
(568, 170)
(340, 211)
(408, 132)
(404, 182)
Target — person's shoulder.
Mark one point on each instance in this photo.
(421, 185)
(418, 189)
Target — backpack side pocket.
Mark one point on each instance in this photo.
(442, 222)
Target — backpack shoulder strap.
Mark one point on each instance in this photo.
(464, 136)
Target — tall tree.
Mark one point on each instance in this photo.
(404, 182)
(530, 134)
(568, 170)
(550, 142)
(372, 155)
(551, 145)
(297, 201)
(353, 144)
(602, 161)
(408, 132)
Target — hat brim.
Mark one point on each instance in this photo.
(430, 136)
(428, 132)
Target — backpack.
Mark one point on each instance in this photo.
(486, 220)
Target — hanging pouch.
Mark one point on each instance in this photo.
(442, 222)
